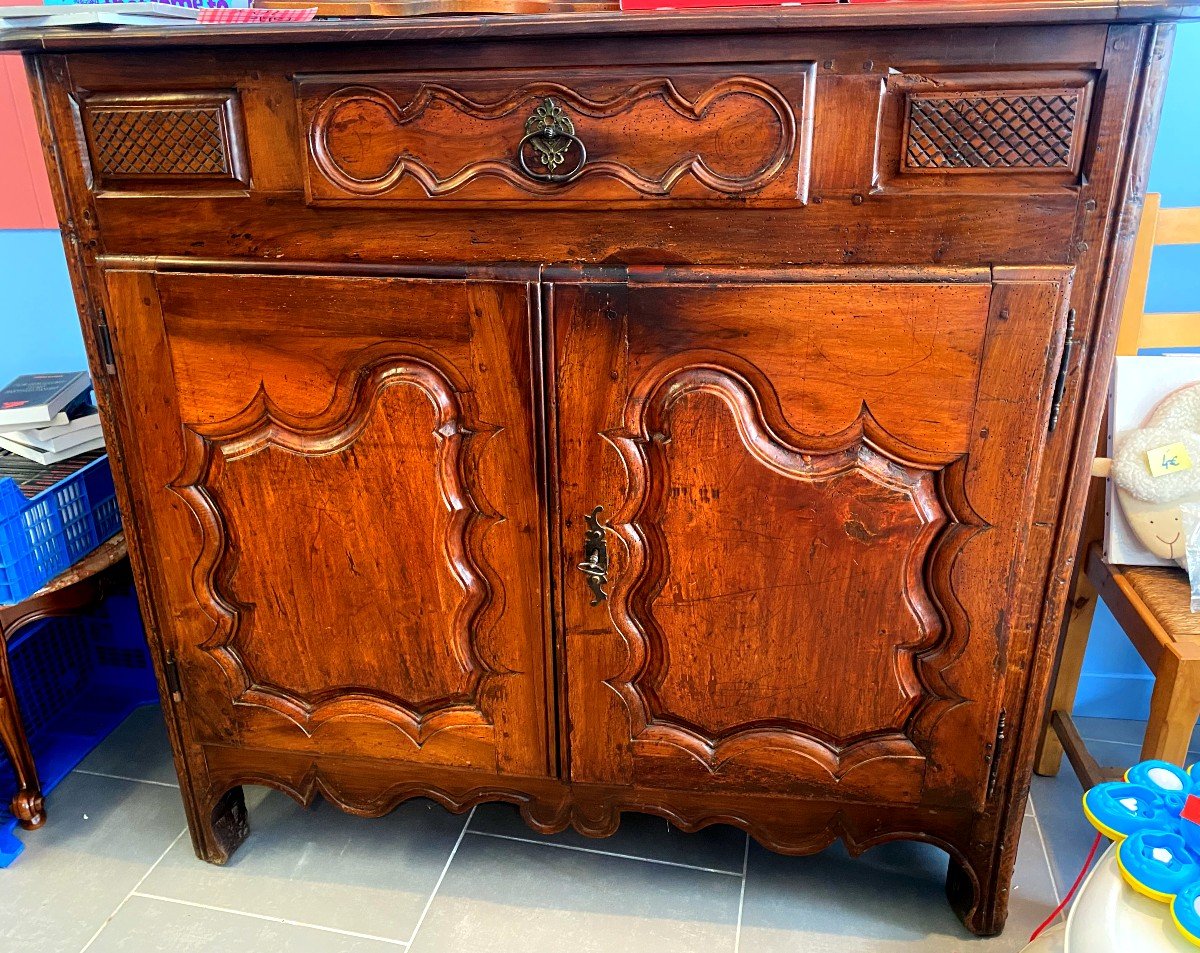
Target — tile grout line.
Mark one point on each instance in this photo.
(1127, 744)
(125, 899)
(122, 777)
(607, 853)
(1037, 826)
(270, 919)
(737, 936)
(442, 876)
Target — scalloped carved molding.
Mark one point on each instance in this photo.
(340, 120)
(932, 486)
(548, 806)
(263, 424)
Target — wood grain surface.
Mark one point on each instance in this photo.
(366, 390)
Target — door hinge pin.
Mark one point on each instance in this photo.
(1064, 367)
(997, 751)
(104, 341)
(171, 674)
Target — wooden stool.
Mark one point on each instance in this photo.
(78, 588)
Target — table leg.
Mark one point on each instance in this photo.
(27, 804)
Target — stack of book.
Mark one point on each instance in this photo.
(48, 418)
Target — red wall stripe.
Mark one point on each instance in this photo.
(25, 200)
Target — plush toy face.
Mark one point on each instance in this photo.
(1156, 468)
(1158, 526)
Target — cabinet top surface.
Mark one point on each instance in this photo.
(918, 13)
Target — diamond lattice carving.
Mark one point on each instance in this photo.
(1033, 131)
(163, 141)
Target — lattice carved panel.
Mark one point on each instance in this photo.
(191, 139)
(994, 131)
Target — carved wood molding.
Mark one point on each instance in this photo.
(549, 806)
(1023, 130)
(933, 486)
(263, 424)
(191, 141)
(335, 117)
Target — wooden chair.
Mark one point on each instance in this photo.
(1152, 605)
(74, 590)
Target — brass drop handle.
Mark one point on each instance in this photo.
(595, 556)
(549, 138)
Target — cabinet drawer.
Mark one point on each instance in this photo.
(692, 135)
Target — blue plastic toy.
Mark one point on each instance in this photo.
(1154, 814)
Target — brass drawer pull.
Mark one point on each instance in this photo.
(595, 556)
(549, 137)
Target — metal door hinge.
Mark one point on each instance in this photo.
(996, 751)
(104, 342)
(1064, 368)
(171, 674)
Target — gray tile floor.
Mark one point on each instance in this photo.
(113, 870)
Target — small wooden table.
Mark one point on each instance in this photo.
(78, 588)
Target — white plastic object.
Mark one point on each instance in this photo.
(1109, 917)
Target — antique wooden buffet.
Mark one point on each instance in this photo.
(675, 413)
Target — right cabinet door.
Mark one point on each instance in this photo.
(816, 497)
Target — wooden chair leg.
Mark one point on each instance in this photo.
(27, 804)
(1070, 666)
(1174, 707)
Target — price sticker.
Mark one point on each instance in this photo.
(1172, 458)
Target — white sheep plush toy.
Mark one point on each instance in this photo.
(1156, 468)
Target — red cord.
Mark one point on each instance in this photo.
(1070, 893)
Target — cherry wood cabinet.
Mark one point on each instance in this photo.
(685, 414)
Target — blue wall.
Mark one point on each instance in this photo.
(1115, 682)
(37, 310)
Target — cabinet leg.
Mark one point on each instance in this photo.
(222, 828)
(979, 895)
(27, 804)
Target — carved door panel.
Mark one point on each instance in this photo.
(338, 477)
(816, 498)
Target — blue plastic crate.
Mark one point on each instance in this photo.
(76, 679)
(41, 537)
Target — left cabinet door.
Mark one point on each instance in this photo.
(335, 485)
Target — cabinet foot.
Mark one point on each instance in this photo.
(978, 896)
(223, 828)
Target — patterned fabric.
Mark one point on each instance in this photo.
(246, 15)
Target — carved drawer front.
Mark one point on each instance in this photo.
(693, 135)
(175, 141)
